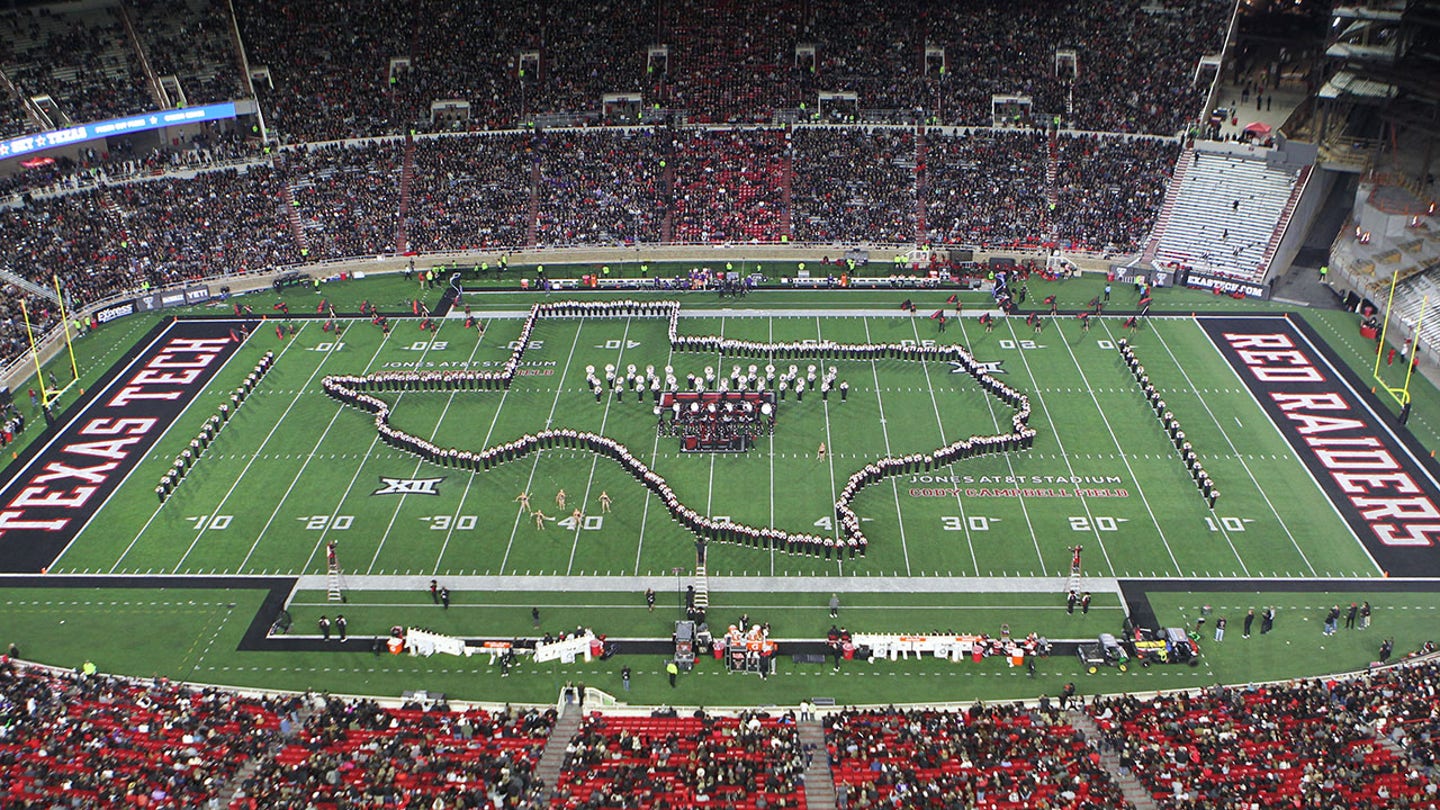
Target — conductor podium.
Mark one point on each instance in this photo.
(716, 421)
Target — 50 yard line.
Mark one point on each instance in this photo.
(595, 459)
(559, 389)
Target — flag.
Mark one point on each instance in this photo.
(319, 308)
(952, 299)
(415, 306)
(279, 331)
(1145, 302)
(234, 336)
(1082, 315)
(1049, 299)
(906, 305)
(936, 314)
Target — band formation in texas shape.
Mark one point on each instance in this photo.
(359, 391)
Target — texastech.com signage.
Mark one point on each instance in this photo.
(63, 485)
(1375, 477)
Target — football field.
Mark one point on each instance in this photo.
(293, 470)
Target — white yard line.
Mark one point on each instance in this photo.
(308, 458)
(940, 423)
(885, 430)
(654, 457)
(399, 503)
(719, 372)
(1084, 502)
(292, 342)
(595, 458)
(1241, 382)
(1125, 459)
(770, 338)
(559, 389)
(1010, 465)
(829, 457)
(1219, 525)
(364, 457)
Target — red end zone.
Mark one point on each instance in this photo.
(1378, 477)
(63, 484)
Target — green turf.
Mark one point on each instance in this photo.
(294, 470)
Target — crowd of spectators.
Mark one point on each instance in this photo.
(1109, 191)
(356, 753)
(851, 181)
(88, 740)
(150, 233)
(329, 64)
(470, 192)
(1307, 743)
(331, 74)
(347, 196)
(191, 40)
(701, 760)
(83, 60)
(729, 62)
(601, 189)
(729, 185)
(987, 756)
(986, 187)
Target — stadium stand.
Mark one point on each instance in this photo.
(1109, 190)
(83, 61)
(601, 188)
(986, 187)
(355, 753)
(329, 64)
(192, 41)
(471, 191)
(647, 762)
(1226, 211)
(347, 195)
(729, 185)
(87, 740)
(1290, 745)
(1004, 756)
(852, 181)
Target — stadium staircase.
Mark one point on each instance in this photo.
(1284, 223)
(29, 286)
(292, 212)
(1135, 793)
(1172, 193)
(152, 81)
(702, 587)
(407, 179)
(1052, 193)
(547, 770)
(532, 211)
(922, 191)
(819, 779)
(787, 175)
(251, 765)
(668, 184)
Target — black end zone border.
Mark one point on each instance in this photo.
(1381, 481)
(68, 474)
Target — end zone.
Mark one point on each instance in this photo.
(64, 483)
(1376, 476)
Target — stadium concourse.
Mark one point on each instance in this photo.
(85, 739)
